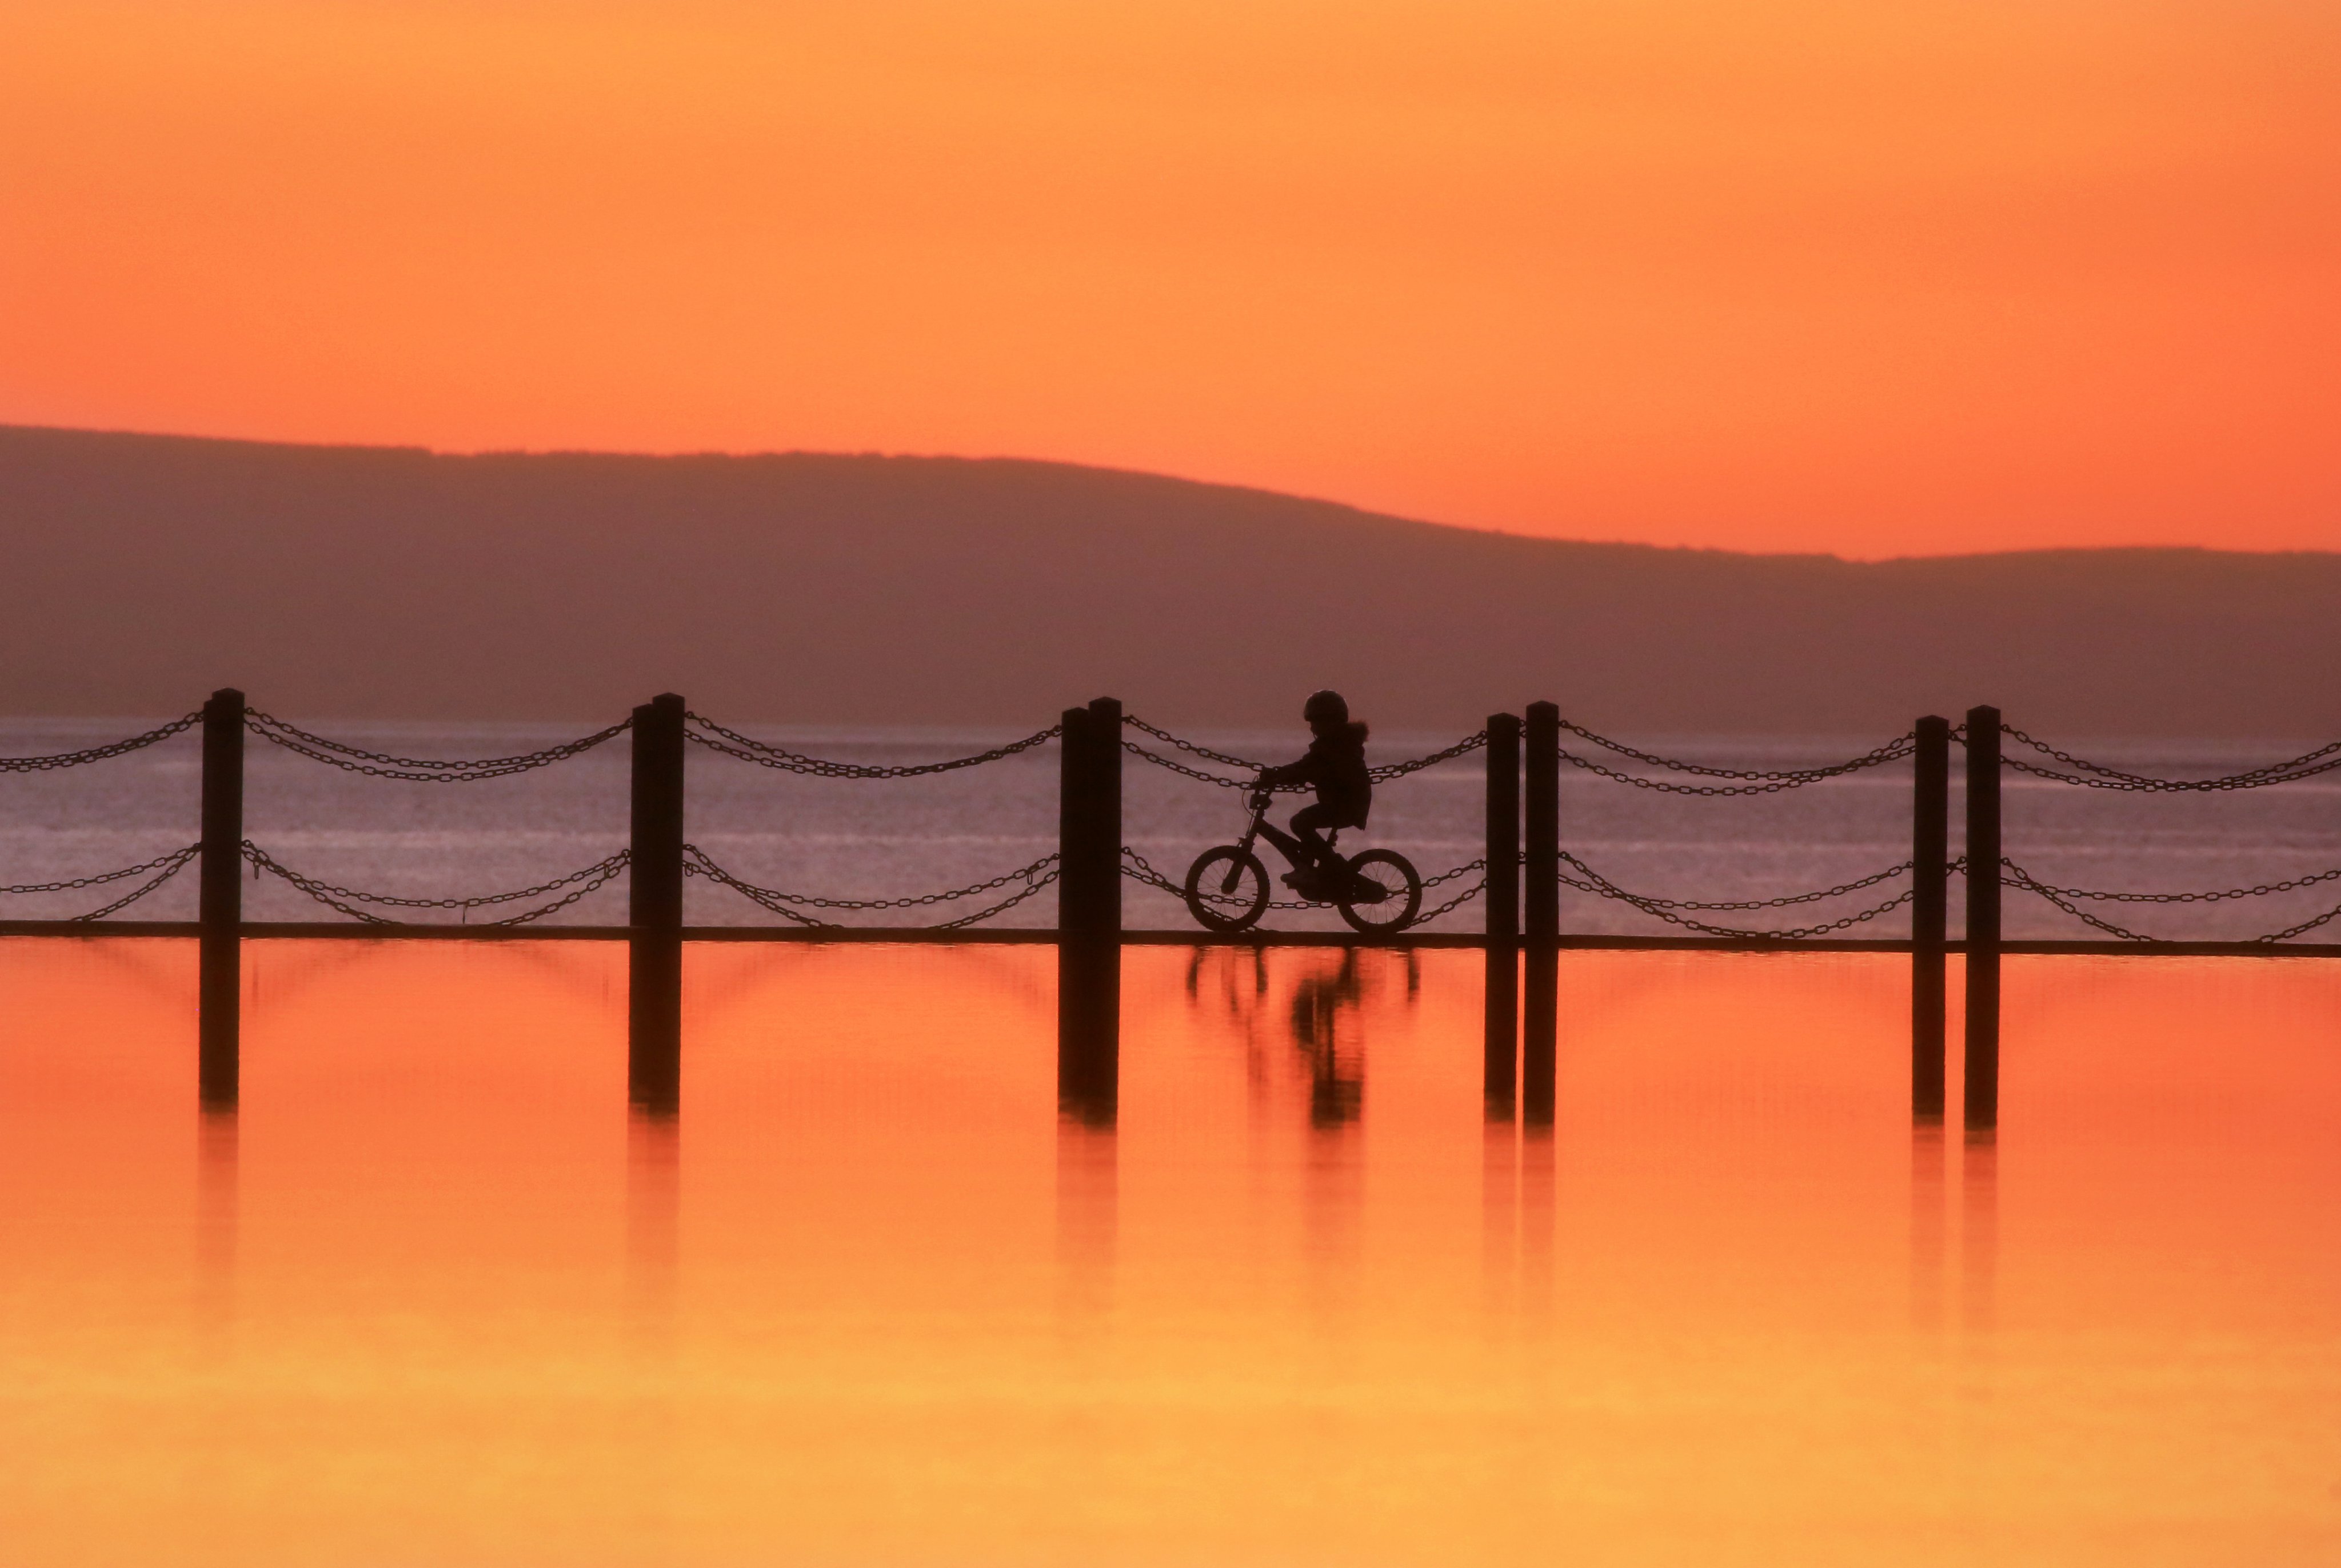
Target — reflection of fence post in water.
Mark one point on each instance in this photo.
(1983, 918)
(1499, 1217)
(220, 986)
(1501, 1074)
(653, 1192)
(654, 886)
(1088, 1218)
(1088, 913)
(1930, 1199)
(1929, 883)
(1979, 1232)
(217, 1219)
(1539, 1225)
(1540, 992)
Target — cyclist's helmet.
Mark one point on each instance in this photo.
(1325, 708)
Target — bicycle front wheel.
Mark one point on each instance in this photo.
(1227, 889)
(1385, 894)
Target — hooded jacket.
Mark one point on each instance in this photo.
(1336, 764)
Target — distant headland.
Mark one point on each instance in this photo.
(141, 571)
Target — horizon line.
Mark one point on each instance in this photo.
(684, 454)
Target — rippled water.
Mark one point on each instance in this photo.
(433, 1297)
(893, 839)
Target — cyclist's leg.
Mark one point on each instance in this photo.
(1307, 824)
(1296, 854)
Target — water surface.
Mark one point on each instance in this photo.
(434, 1297)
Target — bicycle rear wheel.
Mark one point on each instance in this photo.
(1227, 889)
(1388, 896)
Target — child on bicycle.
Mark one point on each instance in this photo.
(1336, 764)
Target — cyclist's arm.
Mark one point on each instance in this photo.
(1301, 772)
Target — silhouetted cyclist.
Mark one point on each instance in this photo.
(1336, 764)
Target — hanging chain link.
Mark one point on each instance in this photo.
(1001, 907)
(1190, 748)
(1380, 775)
(2069, 899)
(1175, 766)
(1786, 900)
(1463, 748)
(731, 744)
(699, 863)
(345, 899)
(101, 880)
(2305, 926)
(100, 753)
(166, 867)
(1040, 874)
(2308, 765)
(418, 769)
(1894, 750)
(1772, 783)
(1668, 787)
(1594, 882)
(1457, 902)
(2221, 896)
(172, 866)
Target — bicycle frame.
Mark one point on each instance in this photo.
(1286, 844)
(1373, 879)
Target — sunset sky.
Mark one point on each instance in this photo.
(1882, 278)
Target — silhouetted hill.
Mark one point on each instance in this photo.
(140, 572)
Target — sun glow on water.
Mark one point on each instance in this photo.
(433, 1295)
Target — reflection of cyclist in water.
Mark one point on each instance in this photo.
(1336, 765)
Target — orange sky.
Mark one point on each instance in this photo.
(1875, 278)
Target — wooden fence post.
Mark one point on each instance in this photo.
(1540, 989)
(1930, 817)
(1072, 835)
(1982, 1102)
(1088, 913)
(220, 905)
(1500, 1074)
(654, 888)
(1105, 735)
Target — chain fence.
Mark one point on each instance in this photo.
(1762, 781)
(1382, 774)
(100, 753)
(706, 732)
(1029, 881)
(419, 769)
(2070, 899)
(1196, 761)
(1463, 748)
(1460, 900)
(1588, 880)
(2098, 776)
(1893, 750)
(164, 867)
(347, 901)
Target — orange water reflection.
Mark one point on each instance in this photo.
(434, 1297)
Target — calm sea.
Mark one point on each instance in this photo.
(904, 838)
(433, 1297)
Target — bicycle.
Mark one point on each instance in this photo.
(1379, 891)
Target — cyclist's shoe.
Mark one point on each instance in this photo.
(1310, 884)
